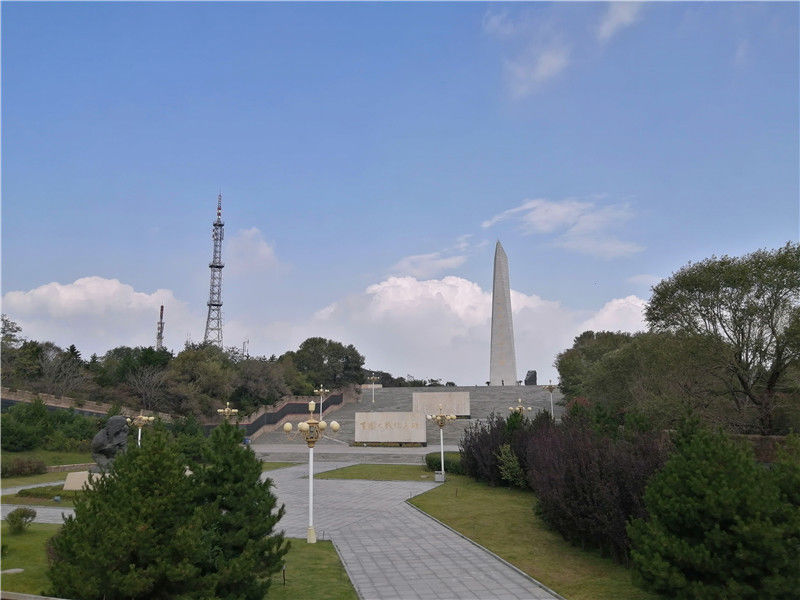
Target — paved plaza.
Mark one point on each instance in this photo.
(391, 550)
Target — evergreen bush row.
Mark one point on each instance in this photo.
(30, 426)
(452, 462)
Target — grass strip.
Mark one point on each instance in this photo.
(379, 473)
(27, 551)
(8, 482)
(504, 521)
(271, 466)
(329, 582)
(51, 457)
(312, 571)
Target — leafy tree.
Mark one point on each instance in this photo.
(298, 383)
(118, 363)
(662, 377)
(10, 334)
(752, 303)
(198, 379)
(257, 382)
(718, 525)
(574, 363)
(329, 363)
(248, 551)
(61, 372)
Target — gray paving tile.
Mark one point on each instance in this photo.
(391, 550)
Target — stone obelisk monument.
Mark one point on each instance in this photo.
(502, 359)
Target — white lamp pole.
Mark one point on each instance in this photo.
(321, 391)
(373, 379)
(140, 421)
(550, 387)
(441, 420)
(310, 429)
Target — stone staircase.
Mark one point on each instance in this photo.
(483, 401)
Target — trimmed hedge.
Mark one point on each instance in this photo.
(48, 491)
(452, 462)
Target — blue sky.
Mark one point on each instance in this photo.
(371, 154)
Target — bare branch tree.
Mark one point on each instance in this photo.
(147, 382)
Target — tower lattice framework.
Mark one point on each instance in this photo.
(214, 319)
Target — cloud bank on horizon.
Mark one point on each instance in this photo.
(424, 327)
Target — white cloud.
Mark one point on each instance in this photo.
(620, 314)
(97, 314)
(618, 16)
(248, 252)
(581, 226)
(529, 71)
(427, 265)
(441, 327)
(428, 328)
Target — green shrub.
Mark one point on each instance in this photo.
(58, 441)
(452, 462)
(19, 519)
(719, 524)
(48, 491)
(22, 466)
(510, 469)
(18, 436)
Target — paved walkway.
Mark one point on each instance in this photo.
(390, 550)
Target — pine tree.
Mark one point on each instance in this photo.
(719, 525)
(247, 551)
(134, 534)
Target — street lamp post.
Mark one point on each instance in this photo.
(372, 379)
(321, 391)
(441, 420)
(550, 387)
(227, 412)
(519, 408)
(310, 430)
(140, 421)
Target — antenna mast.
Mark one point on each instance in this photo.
(160, 331)
(214, 320)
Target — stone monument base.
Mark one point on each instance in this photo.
(76, 480)
(389, 444)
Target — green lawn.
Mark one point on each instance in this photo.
(42, 496)
(32, 479)
(380, 473)
(271, 466)
(330, 581)
(51, 457)
(27, 551)
(503, 520)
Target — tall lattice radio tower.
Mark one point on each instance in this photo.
(160, 330)
(214, 320)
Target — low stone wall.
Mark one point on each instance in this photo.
(67, 468)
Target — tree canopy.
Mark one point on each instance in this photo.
(150, 529)
(752, 304)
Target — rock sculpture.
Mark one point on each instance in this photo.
(110, 441)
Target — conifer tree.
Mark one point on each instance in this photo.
(247, 551)
(720, 525)
(136, 533)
